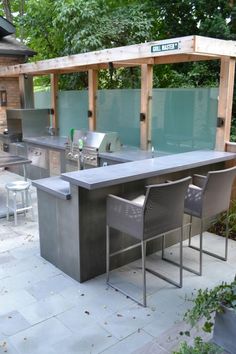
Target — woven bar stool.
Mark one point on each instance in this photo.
(209, 196)
(13, 189)
(160, 212)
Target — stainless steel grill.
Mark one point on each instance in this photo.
(85, 146)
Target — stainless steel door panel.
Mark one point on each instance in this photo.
(38, 156)
(54, 163)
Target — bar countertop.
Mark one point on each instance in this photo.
(131, 171)
(131, 153)
(7, 160)
(55, 186)
(56, 142)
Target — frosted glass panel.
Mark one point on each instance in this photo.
(184, 119)
(42, 99)
(72, 110)
(118, 110)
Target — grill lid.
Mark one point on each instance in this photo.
(97, 141)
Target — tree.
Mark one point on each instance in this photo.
(7, 10)
(64, 27)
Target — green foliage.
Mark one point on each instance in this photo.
(199, 347)
(95, 25)
(219, 225)
(187, 17)
(65, 27)
(37, 24)
(209, 301)
(233, 130)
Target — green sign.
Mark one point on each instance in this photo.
(164, 47)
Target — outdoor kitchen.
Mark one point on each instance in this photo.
(74, 172)
(117, 177)
(106, 180)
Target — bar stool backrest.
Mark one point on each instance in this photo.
(164, 207)
(217, 191)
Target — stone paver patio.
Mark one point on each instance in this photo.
(43, 311)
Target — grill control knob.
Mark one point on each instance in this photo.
(69, 154)
(76, 156)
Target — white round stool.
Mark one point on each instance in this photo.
(21, 187)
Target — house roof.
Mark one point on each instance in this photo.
(6, 27)
(9, 45)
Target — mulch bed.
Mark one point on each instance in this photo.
(219, 229)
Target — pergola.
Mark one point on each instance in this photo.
(145, 55)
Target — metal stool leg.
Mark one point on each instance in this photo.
(23, 201)
(227, 236)
(163, 239)
(7, 204)
(15, 207)
(107, 253)
(212, 254)
(27, 197)
(201, 248)
(30, 203)
(143, 246)
(181, 258)
(190, 230)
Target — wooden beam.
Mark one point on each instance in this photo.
(95, 67)
(132, 52)
(136, 54)
(135, 62)
(225, 102)
(182, 58)
(146, 106)
(54, 99)
(92, 97)
(215, 46)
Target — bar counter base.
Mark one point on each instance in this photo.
(73, 231)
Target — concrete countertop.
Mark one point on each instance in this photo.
(55, 186)
(121, 173)
(7, 160)
(130, 153)
(56, 142)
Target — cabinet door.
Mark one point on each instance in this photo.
(54, 163)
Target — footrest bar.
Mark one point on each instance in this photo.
(126, 294)
(209, 253)
(163, 277)
(184, 267)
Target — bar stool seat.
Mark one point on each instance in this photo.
(13, 188)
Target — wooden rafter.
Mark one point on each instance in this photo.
(202, 48)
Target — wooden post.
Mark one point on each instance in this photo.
(92, 96)
(225, 102)
(146, 106)
(54, 98)
(26, 87)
